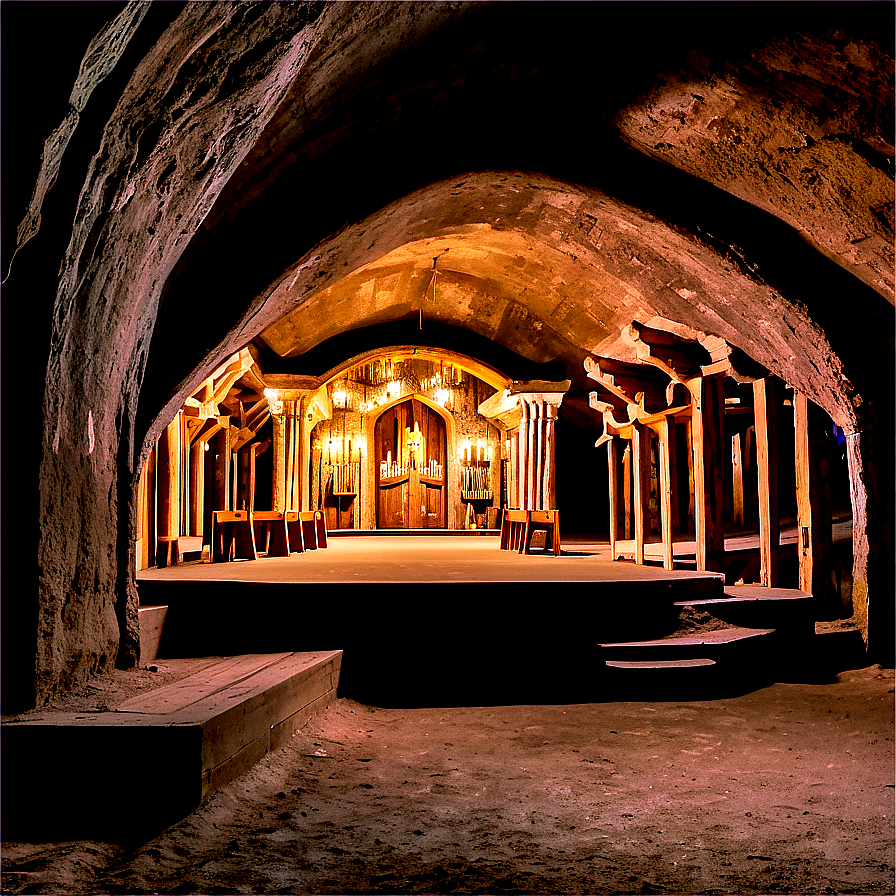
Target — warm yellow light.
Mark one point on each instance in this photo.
(441, 397)
(275, 402)
(339, 397)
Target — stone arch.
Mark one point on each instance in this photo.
(214, 127)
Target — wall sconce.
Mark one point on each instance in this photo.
(339, 398)
(275, 402)
(442, 397)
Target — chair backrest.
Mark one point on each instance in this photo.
(542, 516)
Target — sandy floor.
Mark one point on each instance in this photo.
(785, 790)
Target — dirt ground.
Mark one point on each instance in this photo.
(789, 789)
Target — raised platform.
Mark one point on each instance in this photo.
(72, 775)
(425, 620)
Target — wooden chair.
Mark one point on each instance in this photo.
(547, 521)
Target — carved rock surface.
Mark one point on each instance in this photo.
(287, 171)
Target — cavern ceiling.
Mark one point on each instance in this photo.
(511, 180)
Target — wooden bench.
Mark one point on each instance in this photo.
(307, 530)
(272, 532)
(233, 536)
(518, 527)
(513, 528)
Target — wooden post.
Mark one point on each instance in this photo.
(813, 499)
(737, 478)
(279, 477)
(641, 473)
(691, 503)
(168, 479)
(197, 486)
(766, 402)
(707, 430)
(627, 488)
(222, 466)
(613, 485)
(665, 490)
(673, 475)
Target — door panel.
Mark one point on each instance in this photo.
(411, 470)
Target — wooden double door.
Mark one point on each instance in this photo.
(412, 468)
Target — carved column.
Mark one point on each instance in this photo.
(531, 409)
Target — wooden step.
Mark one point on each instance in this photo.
(158, 756)
(756, 606)
(696, 639)
(712, 644)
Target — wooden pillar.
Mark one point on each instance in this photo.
(221, 447)
(707, 430)
(665, 490)
(691, 503)
(549, 478)
(613, 486)
(530, 456)
(523, 455)
(813, 500)
(641, 475)
(627, 488)
(300, 435)
(766, 404)
(168, 478)
(673, 475)
(279, 449)
(197, 486)
(737, 478)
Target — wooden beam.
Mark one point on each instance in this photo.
(641, 475)
(665, 488)
(813, 499)
(766, 401)
(612, 452)
(707, 430)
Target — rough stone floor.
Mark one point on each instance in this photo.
(785, 790)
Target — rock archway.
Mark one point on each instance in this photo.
(248, 163)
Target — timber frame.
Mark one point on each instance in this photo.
(673, 374)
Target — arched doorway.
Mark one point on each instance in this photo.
(410, 451)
